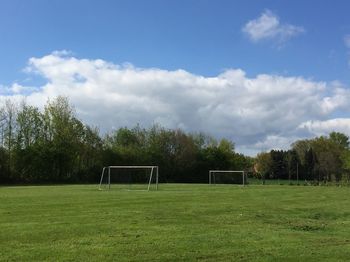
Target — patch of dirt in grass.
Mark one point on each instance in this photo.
(329, 215)
(312, 224)
(307, 225)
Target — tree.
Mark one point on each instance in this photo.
(279, 168)
(292, 163)
(9, 129)
(301, 147)
(29, 132)
(346, 164)
(29, 124)
(328, 154)
(263, 165)
(340, 139)
(3, 154)
(310, 165)
(2, 126)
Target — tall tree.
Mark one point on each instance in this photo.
(328, 154)
(9, 129)
(340, 139)
(263, 165)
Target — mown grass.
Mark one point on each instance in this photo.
(176, 223)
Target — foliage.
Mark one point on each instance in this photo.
(263, 165)
(53, 145)
(48, 146)
(319, 160)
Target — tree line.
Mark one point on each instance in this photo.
(53, 146)
(319, 160)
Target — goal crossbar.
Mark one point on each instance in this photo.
(226, 171)
(152, 168)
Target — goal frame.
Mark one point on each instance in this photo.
(227, 171)
(153, 169)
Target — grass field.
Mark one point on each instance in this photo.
(176, 223)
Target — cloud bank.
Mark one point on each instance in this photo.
(257, 113)
(268, 26)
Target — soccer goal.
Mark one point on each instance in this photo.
(130, 177)
(227, 177)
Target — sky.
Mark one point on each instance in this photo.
(260, 73)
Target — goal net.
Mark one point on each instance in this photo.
(130, 177)
(227, 177)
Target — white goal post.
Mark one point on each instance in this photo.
(154, 173)
(213, 172)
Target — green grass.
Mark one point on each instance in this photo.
(176, 223)
(294, 182)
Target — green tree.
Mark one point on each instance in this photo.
(310, 165)
(301, 147)
(292, 163)
(29, 132)
(346, 164)
(328, 154)
(9, 132)
(263, 165)
(340, 139)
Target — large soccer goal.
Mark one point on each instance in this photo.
(130, 177)
(227, 177)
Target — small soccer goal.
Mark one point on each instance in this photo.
(130, 177)
(227, 177)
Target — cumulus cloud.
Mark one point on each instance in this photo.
(261, 112)
(16, 88)
(319, 128)
(268, 26)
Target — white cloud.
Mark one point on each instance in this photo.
(268, 26)
(319, 128)
(257, 113)
(16, 88)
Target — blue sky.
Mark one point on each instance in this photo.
(306, 40)
(203, 37)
